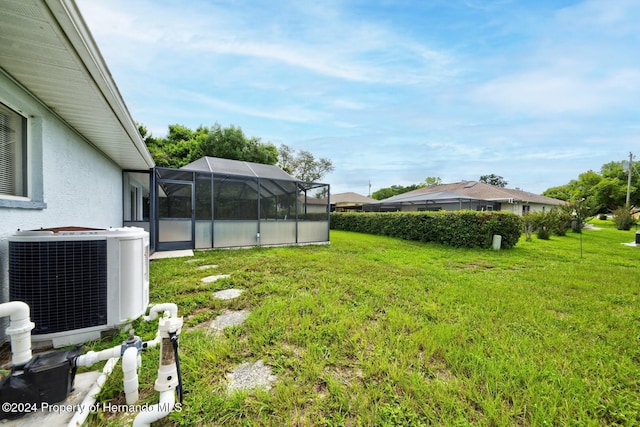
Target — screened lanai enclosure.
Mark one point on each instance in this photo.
(221, 203)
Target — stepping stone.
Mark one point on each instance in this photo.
(228, 293)
(171, 254)
(249, 376)
(206, 267)
(211, 279)
(228, 318)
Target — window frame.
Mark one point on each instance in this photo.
(21, 164)
(31, 162)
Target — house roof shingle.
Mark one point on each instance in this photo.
(483, 191)
(351, 197)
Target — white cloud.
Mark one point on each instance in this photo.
(450, 89)
(549, 92)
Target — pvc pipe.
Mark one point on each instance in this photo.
(152, 343)
(92, 357)
(130, 373)
(19, 330)
(170, 307)
(90, 399)
(162, 409)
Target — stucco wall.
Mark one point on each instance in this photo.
(73, 183)
(516, 208)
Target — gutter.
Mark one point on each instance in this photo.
(72, 24)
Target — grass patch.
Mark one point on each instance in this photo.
(379, 331)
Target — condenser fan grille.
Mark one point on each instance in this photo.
(64, 283)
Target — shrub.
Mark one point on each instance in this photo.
(602, 217)
(459, 229)
(540, 223)
(560, 221)
(556, 221)
(623, 218)
(529, 222)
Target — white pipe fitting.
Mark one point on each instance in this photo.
(162, 409)
(93, 357)
(130, 361)
(90, 399)
(19, 330)
(161, 308)
(167, 379)
(152, 343)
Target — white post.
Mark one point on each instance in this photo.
(497, 242)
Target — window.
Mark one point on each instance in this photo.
(136, 196)
(13, 153)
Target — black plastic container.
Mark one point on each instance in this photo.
(53, 374)
(46, 378)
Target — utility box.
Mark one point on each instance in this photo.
(79, 281)
(497, 242)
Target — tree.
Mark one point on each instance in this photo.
(623, 218)
(431, 181)
(494, 180)
(603, 192)
(231, 143)
(394, 190)
(183, 145)
(302, 164)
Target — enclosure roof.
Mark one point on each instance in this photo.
(238, 168)
(47, 49)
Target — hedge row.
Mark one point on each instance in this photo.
(469, 229)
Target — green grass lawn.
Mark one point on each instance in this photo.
(377, 331)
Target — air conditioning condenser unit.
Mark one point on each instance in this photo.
(78, 281)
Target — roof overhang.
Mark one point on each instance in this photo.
(47, 49)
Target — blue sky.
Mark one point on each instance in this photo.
(536, 91)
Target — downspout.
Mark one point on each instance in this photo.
(19, 330)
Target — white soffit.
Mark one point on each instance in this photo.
(47, 48)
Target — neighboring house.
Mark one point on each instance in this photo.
(349, 202)
(472, 195)
(66, 135)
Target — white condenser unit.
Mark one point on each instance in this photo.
(78, 281)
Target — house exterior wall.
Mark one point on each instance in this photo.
(71, 183)
(516, 208)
